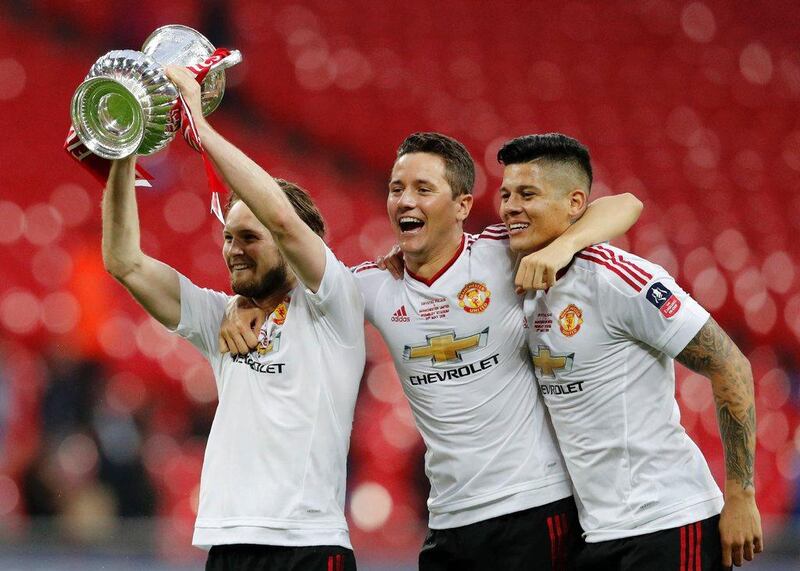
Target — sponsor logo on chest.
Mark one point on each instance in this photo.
(548, 365)
(446, 348)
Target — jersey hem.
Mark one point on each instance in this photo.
(705, 506)
(508, 501)
(205, 538)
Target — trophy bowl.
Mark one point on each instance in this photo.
(126, 103)
(125, 106)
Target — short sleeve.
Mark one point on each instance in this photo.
(338, 301)
(660, 313)
(202, 311)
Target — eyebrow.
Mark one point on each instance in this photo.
(416, 181)
(521, 187)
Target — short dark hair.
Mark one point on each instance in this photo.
(301, 202)
(552, 147)
(459, 168)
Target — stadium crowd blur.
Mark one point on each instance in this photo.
(692, 106)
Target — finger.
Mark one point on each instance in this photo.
(380, 261)
(758, 544)
(229, 344)
(519, 290)
(747, 550)
(241, 345)
(736, 554)
(726, 556)
(519, 279)
(540, 277)
(250, 339)
(549, 278)
(223, 345)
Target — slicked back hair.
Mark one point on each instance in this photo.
(301, 202)
(459, 168)
(553, 148)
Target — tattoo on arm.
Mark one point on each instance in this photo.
(712, 354)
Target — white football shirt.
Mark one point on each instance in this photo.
(602, 342)
(275, 462)
(458, 344)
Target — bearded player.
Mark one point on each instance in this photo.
(500, 496)
(603, 340)
(273, 481)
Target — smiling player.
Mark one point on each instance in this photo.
(603, 342)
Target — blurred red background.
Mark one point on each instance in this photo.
(692, 106)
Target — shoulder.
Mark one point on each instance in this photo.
(365, 269)
(623, 271)
(495, 236)
(194, 293)
(368, 275)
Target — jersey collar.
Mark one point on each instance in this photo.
(429, 282)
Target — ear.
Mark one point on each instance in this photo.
(578, 202)
(464, 202)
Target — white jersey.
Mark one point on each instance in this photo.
(275, 462)
(458, 344)
(603, 341)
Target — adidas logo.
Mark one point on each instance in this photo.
(400, 315)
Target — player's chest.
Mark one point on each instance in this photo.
(566, 335)
(275, 342)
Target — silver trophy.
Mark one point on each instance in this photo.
(127, 104)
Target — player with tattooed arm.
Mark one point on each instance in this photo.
(603, 340)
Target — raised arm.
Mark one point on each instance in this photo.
(155, 285)
(303, 250)
(712, 354)
(604, 219)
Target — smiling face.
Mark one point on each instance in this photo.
(426, 218)
(537, 204)
(256, 266)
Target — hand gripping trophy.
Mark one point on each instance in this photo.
(128, 105)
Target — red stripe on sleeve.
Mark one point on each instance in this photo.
(611, 258)
(614, 269)
(625, 262)
(690, 557)
(330, 562)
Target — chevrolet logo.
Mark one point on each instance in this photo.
(445, 347)
(548, 364)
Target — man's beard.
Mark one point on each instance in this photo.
(274, 280)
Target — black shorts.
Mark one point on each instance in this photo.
(692, 547)
(248, 557)
(542, 538)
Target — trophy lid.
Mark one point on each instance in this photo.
(176, 44)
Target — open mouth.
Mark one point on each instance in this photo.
(409, 224)
(517, 227)
(239, 267)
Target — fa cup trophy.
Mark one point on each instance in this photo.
(127, 104)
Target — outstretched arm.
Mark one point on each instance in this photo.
(155, 285)
(712, 354)
(605, 218)
(301, 247)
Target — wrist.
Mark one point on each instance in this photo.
(734, 490)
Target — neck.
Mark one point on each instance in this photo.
(427, 265)
(269, 302)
